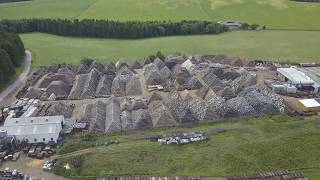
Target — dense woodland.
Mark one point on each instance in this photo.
(112, 29)
(11, 55)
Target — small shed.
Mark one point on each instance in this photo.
(310, 104)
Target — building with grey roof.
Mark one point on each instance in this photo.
(314, 74)
(301, 78)
(34, 129)
(295, 76)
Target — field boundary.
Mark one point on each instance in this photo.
(88, 7)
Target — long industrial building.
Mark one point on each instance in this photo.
(300, 78)
(34, 129)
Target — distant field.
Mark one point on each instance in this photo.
(44, 9)
(255, 145)
(273, 13)
(293, 46)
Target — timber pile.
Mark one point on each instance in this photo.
(159, 63)
(66, 78)
(141, 119)
(110, 69)
(172, 60)
(179, 108)
(213, 82)
(160, 115)
(182, 90)
(89, 89)
(78, 85)
(104, 86)
(55, 109)
(60, 89)
(85, 85)
(166, 73)
(133, 86)
(152, 75)
(33, 93)
(135, 65)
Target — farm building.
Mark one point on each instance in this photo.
(313, 73)
(310, 104)
(297, 78)
(34, 129)
(232, 25)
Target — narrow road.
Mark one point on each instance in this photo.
(19, 81)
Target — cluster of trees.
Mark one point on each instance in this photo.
(159, 55)
(112, 29)
(8, 1)
(11, 55)
(247, 26)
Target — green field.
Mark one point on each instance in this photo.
(293, 46)
(273, 13)
(255, 145)
(44, 9)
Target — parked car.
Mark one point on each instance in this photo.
(16, 156)
(48, 165)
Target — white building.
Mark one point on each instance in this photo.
(297, 78)
(34, 129)
(232, 25)
(310, 104)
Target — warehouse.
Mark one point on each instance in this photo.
(34, 129)
(314, 74)
(297, 78)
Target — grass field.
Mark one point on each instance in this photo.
(294, 46)
(273, 13)
(253, 145)
(44, 9)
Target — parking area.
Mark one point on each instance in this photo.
(31, 167)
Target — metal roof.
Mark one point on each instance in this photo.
(309, 103)
(312, 72)
(33, 125)
(295, 76)
(32, 129)
(24, 121)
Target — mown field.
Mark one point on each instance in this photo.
(293, 46)
(272, 13)
(250, 145)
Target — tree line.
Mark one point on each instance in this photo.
(11, 55)
(112, 29)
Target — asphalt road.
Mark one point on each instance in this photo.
(20, 80)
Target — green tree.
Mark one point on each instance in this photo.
(86, 61)
(245, 26)
(6, 67)
(254, 26)
(160, 55)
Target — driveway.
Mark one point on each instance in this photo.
(20, 80)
